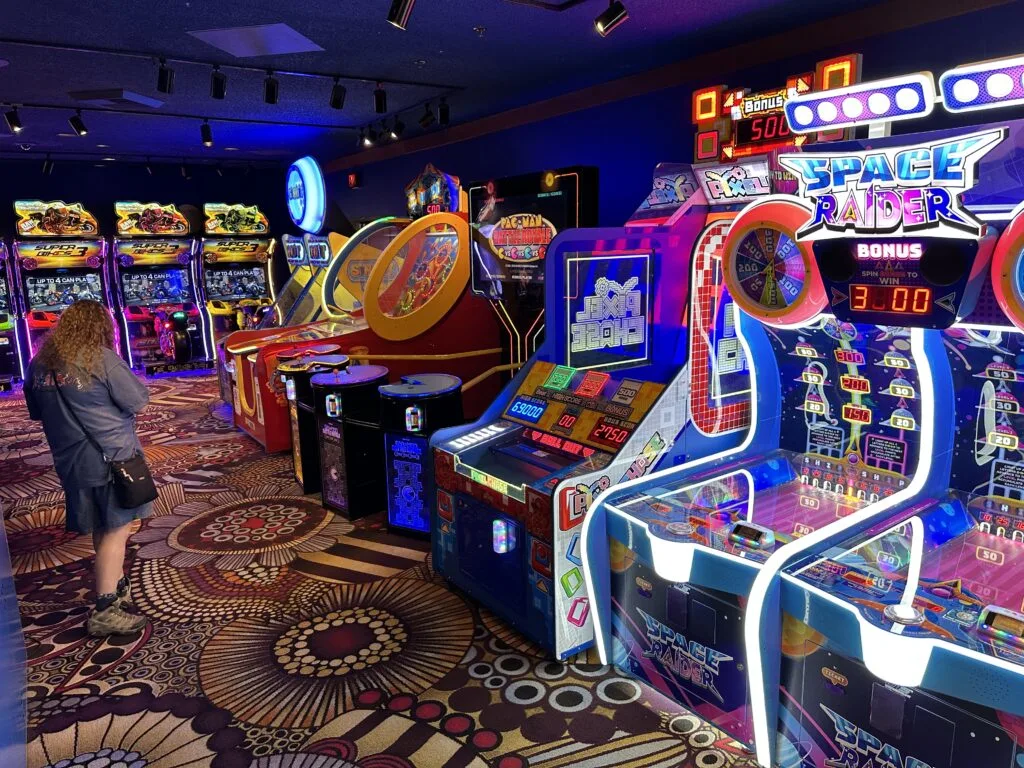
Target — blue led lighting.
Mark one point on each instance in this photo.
(880, 101)
(986, 85)
(307, 194)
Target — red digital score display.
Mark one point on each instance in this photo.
(763, 129)
(567, 420)
(609, 434)
(849, 357)
(856, 414)
(894, 299)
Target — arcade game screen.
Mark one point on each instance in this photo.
(228, 283)
(156, 286)
(5, 295)
(414, 279)
(58, 291)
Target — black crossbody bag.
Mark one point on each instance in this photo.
(132, 481)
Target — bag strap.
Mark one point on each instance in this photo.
(74, 415)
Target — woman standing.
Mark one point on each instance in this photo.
(78, 384)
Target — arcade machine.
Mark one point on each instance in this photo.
(12, 368)
(163, 327)
(416, 315)
(647, 373)
(517, 218)
(59, 258)
(900, 641)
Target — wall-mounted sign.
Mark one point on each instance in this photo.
(894, 191)
(145, 252)
(134, 218)
(237, 219)
(307, 194)
(735, 183)
(39, 218)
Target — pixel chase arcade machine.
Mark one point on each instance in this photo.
(642, 372)
(164, 327)
(902, 641)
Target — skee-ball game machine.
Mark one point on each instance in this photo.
(151, 277)
(59, 258)
(515, 486)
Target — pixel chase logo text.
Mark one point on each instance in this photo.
(860, 749)
(688, 660)
(612, 317)
(892, 191)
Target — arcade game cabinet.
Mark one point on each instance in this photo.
(163, 326)
(59, 258)
(644, 371)
(12, 367)
(901, 640)
(517, 218)
(416, 315)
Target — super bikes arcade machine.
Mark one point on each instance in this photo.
(640, 369)
(59, 258)
(12, 366)
(164, 327)
(875, 335)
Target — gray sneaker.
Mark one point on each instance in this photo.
(125, 599)
(114, 621)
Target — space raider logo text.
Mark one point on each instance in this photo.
(612, 317)
(893, 190)
(688, 660)
(861, 749)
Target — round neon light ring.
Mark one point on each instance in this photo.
(1008, 271)
(768, 273)
(307, 194)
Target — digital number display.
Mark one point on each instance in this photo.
(762, 129)
(567, 421)
(527, 409)
(610, 435)
(849, 357)
(856, 384)
(856, 414)
(893, 299)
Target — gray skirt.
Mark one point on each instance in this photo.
(96, 509)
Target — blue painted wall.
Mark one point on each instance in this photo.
(627, 138)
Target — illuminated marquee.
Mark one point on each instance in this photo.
(614, 316)
(522, 237)
(892, 191)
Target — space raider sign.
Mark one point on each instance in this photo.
(892, 191)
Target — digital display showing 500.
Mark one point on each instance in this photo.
(762, 129)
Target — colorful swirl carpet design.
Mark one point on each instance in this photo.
(285, 637)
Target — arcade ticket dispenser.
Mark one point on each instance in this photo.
(295, 376)
(412, 410)
(347, 408)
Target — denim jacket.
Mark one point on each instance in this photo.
(105, 403)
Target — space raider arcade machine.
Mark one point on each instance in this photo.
(163, 323)
(12, 366)
(59, 258)
(596, 406)
(901, 641)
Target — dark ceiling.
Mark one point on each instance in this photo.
(485, 55)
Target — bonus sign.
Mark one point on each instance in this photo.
(898, 190)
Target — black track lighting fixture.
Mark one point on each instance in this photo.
(611, 17)
(380, 100)
(371, 137)
(165, 78)
(361, 139)
(77, 123)
(338, 93)
(427, 118)
(271, 88)
(218, 84)
(206, 131)
(397, 129)
(444, 113)
(14, 124)
(400, 12)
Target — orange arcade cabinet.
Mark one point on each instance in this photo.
(417, 316)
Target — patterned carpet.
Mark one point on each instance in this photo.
(285, 637)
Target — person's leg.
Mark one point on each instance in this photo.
(110, 548)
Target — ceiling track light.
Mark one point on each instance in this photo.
(444, 113)
(165, 78)
(397, 129)
(14, 124)
(338, 93)
(218, 84)
(400, 12)
(362, 138)
(77, 123)
(427, 118)
(206, 131)
(271, 88)
(613, 16)
(380, 100)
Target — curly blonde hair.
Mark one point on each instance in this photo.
(78, 339)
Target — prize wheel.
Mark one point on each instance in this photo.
(419, 278)
(1008, 271)
(770, 275)
(353, 260)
